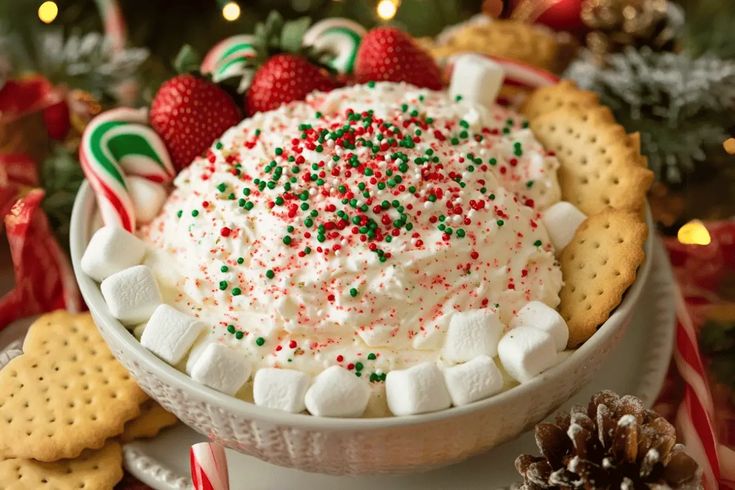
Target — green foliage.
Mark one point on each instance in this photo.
(61, 175)
(681, 105)
(708, 29)
(81, 61)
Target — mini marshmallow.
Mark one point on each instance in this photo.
(539, 315)
(197, 348)
(526, 352)
(131, 294)
(473, 380)
(280, 389)
(147, 196)
(561, 221)
(418, 389)
(138, 331)
(472, 333)
(336, 392)
(222, 368)
(477, 79)
(111, 250)
(170, 333)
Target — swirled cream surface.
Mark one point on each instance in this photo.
(348, 228)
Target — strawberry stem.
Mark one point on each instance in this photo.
(187, 60)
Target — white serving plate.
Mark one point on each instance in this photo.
(638, 366)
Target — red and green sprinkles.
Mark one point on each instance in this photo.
(355, 183)
(239, 334)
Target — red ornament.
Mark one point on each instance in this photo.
(560, 15)
(56, 118)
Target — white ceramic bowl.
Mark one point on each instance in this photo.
(348, 446)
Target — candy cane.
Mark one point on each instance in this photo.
(229, 57)
(115, 143)
(339, 36)
(114, 23)
(208, 465)
(695, 415)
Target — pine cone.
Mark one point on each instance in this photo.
(616, 24)
(614, 443)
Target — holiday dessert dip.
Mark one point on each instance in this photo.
(377, 249)
(349, 229)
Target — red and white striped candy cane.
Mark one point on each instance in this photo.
(114, 22)
(208, 465)
(229, 57)
(116, 143)
(694, 418)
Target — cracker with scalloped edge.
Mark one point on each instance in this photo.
(600, 165)
(566, 94)
(94, 469)
(598, 266)
(65, 393)
(531, 44)
(563, 94)
(152, 419)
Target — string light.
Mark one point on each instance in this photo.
(694, 233)
(231, 11)
(47, 12)
(387, 9)
(729, 146)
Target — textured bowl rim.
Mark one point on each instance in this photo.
(81, 223)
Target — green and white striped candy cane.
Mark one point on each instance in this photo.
(340, 36)
(229, 57)
(115, 144)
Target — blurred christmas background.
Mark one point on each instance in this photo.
(666, 68)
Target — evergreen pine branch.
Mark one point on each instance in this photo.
(681, 105)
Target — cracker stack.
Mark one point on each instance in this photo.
(65, 400)
(531, 44)
(603, 173)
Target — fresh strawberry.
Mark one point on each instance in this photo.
(283, 78)
(189, 113)
(389, 54)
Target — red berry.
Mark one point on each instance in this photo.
(284, 78)
(389, 54)
(189, 113)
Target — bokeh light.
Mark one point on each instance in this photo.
(48, 11)
(231, 11)
(387, 9)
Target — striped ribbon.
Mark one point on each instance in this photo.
(695, 415)
(116, 143)
(208, 465)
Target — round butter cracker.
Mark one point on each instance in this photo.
(97, 469)
(598, 266)
(152, 419)
(65, 393)
(600, 164)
